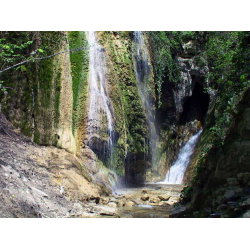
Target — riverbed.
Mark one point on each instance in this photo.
(149, 201)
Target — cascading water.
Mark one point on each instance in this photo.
(141, 62)
(176, 172)
(99, 110)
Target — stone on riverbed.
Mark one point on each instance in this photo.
(145, 197)
(104, 210)
(164, 197)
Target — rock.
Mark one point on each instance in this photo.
(231, 195)
(244, 178)
(104, 210)
(237, 211)
(222, 207)
(145, 197)
(246, 190)
(178, 212)
(196, 214)
(245, 204)
(40, 192)
(245, 128)
(164, 197)
(112, 204)
(206, 212)
(144, 191)
(232, 181)
(232, 204)
(112, 199)
(120, 203)
(129, 204)
(104, 200)
(163, 203)
(246, 214)
(154, 200)
(173, 200)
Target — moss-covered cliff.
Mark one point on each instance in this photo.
(187, 75)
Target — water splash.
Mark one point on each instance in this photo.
(176, 173)
(99, 111)
(142, 70)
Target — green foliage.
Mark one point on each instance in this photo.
(228, 59)
(12, 50)
(162, 46)
(2, 88)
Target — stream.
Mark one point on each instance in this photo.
(149, 201)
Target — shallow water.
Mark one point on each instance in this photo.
(147, 209)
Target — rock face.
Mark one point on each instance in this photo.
(53, 104)
(41, 181)
(184, 105)
(223, 186)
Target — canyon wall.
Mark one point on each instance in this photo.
(48, 102)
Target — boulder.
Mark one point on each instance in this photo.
(104, 210)
(145, 197)
(112, 204)
(164, 197)
(129, 204)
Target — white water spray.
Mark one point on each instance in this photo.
(99, 104)
(141, 63)
(176, 173)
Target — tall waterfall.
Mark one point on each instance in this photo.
(100, 125)
(176, 173)
(141, 62)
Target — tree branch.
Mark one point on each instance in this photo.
(42, 58)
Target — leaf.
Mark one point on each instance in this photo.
(40, 50)
(23, 68)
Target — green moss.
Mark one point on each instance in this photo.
(130, 120)
(79, 69)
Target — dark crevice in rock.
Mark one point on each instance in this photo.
(195, 107)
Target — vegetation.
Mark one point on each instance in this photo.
(228, 57)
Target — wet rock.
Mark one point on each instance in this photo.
(144, 191)
(145, 197)
(164, 197)
(222, 207)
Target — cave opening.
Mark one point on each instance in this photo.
(196, 106)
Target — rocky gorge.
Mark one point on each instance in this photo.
(93, 123)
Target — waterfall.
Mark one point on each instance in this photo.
(176, 172)
(142, 70)
(99, 109)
